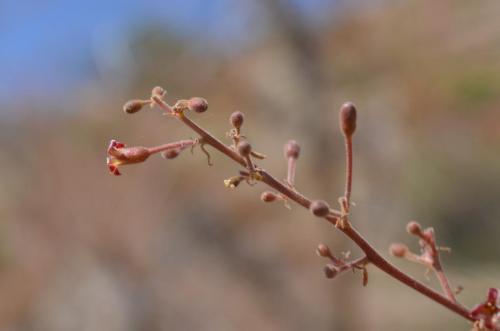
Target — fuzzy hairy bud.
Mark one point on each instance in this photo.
(197, 104)
(319, 208)
(244, 148)
(330, 271)
(413, 228)
(268, 196)
(292, 149)
(133, 106)
(398, 250)
(323, 250)
(237, 119)
(348, 116)
(170, 154)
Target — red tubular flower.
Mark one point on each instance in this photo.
(488, 312)
(119, 154)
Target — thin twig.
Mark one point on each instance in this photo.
(348, 176)
(292, 163)
(179, 144)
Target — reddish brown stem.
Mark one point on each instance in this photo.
(443, 280)
(371, 254)
(165, 147)
(292, 162)
(428, 240)
(438, 269)
(348, 174)
(212, 141)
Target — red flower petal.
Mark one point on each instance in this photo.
(492, 296)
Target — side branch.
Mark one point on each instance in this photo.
(371, 254)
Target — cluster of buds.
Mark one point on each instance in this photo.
(245, 150)
(236, 120)
(487, 313)
(195, 104)
(429, 254)
(119, 154)
(338, 266)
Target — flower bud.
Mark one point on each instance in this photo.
(133, 106)
(197, 104)
(323, 251)
(319, 208)
(171, 154)
(119, 155)
(398, 250)
(158, 91)
(133, 154)
(413, 228)
(244, 148)
(268, 196)
(330, 271)
(348, 118)
(492, 295)
(292, 149)
(236, 119)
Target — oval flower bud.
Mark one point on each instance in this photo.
(237, 119)
(348, 116)
(197, 104)
(170, 154)
(244, 148)
(323, 250)
(319, 208)
(292, 149)
(133, 106)
(398, 250)
(330, 271)
(413, 228)
(268, 196)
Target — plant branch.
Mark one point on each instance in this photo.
(371, 254)
(334, 217)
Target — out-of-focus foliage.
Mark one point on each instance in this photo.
(168, 247)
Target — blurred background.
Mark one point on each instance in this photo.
(166, 246)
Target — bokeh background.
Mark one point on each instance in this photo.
(166, 246)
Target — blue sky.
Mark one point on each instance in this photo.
(48, 44)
